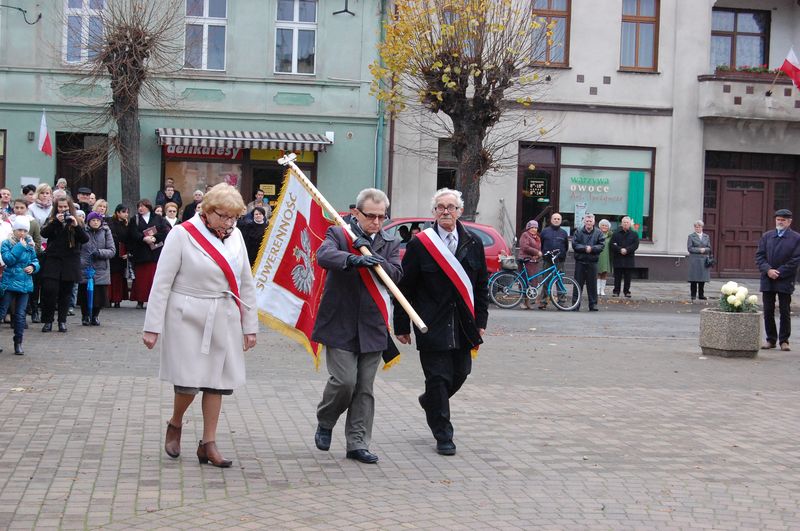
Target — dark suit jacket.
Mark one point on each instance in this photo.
(436, 300)
(782, 254)
(140, 251)
(161, 198)
(628, 240)
(582, 239)
(348, 317)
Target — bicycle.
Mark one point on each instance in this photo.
(507, 288)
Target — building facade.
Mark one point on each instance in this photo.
(255, 79)
(648, 112)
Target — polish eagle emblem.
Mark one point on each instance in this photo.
(303, 273)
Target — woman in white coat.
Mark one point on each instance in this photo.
(202, 285)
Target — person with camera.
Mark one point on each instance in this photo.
(62, 264)
(700, 261)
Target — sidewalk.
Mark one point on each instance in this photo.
(677, 291)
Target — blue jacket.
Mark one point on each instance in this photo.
(782, 254)
(17, 257)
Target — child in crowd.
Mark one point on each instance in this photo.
(19, 255)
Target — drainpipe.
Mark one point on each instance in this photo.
(378, 179)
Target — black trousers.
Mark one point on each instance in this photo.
(55, 292)
(784, 304)
(445, 373)
(696, 288)
(98, 300)
(586, 275)
(619, 274)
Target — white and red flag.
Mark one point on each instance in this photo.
(289, 280)
(791, 67)
(45, 145)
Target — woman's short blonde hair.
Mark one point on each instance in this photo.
(100, 203)
(44, 187)
(225, 198)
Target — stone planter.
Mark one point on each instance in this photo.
(730, 334)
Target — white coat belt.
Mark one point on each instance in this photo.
(183, 289)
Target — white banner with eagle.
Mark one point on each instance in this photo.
(289, 281)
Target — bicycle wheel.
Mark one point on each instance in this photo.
(506, 290)
(561, 294)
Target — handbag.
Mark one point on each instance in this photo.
(710, 261)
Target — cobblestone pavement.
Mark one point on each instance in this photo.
(611, 420)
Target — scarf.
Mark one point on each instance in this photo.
(47, 205)
(15, 240)
(222, 234)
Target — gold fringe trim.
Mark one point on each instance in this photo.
(474, 353)
(292, 333)
(392, 362)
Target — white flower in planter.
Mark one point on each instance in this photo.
(732, 299)
(752, 299)
(741, 292)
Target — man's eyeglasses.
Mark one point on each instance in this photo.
(373, 217)
(226, 218)
(449, 208)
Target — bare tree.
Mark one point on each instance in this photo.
(133, 46)
(463, 63)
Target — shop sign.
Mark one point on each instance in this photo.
(275, 154)
(203, 152)
(604, 191)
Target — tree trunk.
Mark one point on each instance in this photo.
(128, 143)
(471, 167)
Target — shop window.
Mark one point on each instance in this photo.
(206, 26)
(83, 29)
(296, 37)
(191, 175)
(551, 15)
(739, 38)
(639, 47)
(610, 183)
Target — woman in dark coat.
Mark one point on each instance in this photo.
(62, 264)
(118, 289)
(146, 234)
(623, 248)
(253, 233)
(699, 247)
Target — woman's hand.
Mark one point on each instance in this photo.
(249, 341)
(404, 339)
(149, 339)
(60, 217)
(29, 270)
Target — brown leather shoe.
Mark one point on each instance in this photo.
(207, 453)
(768, 345)
(785, 346)
(172, 441)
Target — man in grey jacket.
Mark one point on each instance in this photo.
(587, 243)
(351, 325)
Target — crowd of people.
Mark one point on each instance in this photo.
(61, 252)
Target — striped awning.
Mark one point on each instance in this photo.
(217, 138)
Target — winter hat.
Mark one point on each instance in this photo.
(21, 223)
(532, 223)
(94, 215)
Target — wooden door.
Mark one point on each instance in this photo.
(744, 207)
(71, 163)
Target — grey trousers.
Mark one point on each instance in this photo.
(350, 388)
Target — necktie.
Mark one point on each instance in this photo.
(451, 242)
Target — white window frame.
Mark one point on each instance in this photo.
(206, 21)
(295, 25)
(84, 13)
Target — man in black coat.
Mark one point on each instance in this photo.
(456, 321)
(777, 258)
(169, 194)
(624, 243)
(191, 209)
(351, 326)
(587, 243)
(555, 238)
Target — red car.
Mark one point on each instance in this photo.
(493, 243)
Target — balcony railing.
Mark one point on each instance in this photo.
(748, 96)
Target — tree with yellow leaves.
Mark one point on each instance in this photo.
(468, 62)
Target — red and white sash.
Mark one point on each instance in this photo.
(215, 255)
(375, 287)
(434, 244)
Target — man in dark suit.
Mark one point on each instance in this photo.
(624, 243)
(777, 258)
(445, 280)
(351, 325)
(169, 194)
(588, 243)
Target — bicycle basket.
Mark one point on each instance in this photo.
(508, 262)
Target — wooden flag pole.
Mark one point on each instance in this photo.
(288, 160)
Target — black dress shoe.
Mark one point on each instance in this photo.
(85, 321)
(35, 317)
(702, 298)
(95, 321)
(47, 327)
(362, 455)
(62, 327)
(615, 294)
(323, 438)
(628, 295)
(593, 309)
(446, 447)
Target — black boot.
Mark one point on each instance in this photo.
(700, 288)
(48, 327)
(35, 318)
(62, 327)
(95, 321)
(18, 348)
(85, 320)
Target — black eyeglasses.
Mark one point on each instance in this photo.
(449, 208)
(373, 217)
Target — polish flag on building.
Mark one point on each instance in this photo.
(45, 146)
(791, 67)
(289, 281)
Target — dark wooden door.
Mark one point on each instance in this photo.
(743, 210)
(73, 154)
